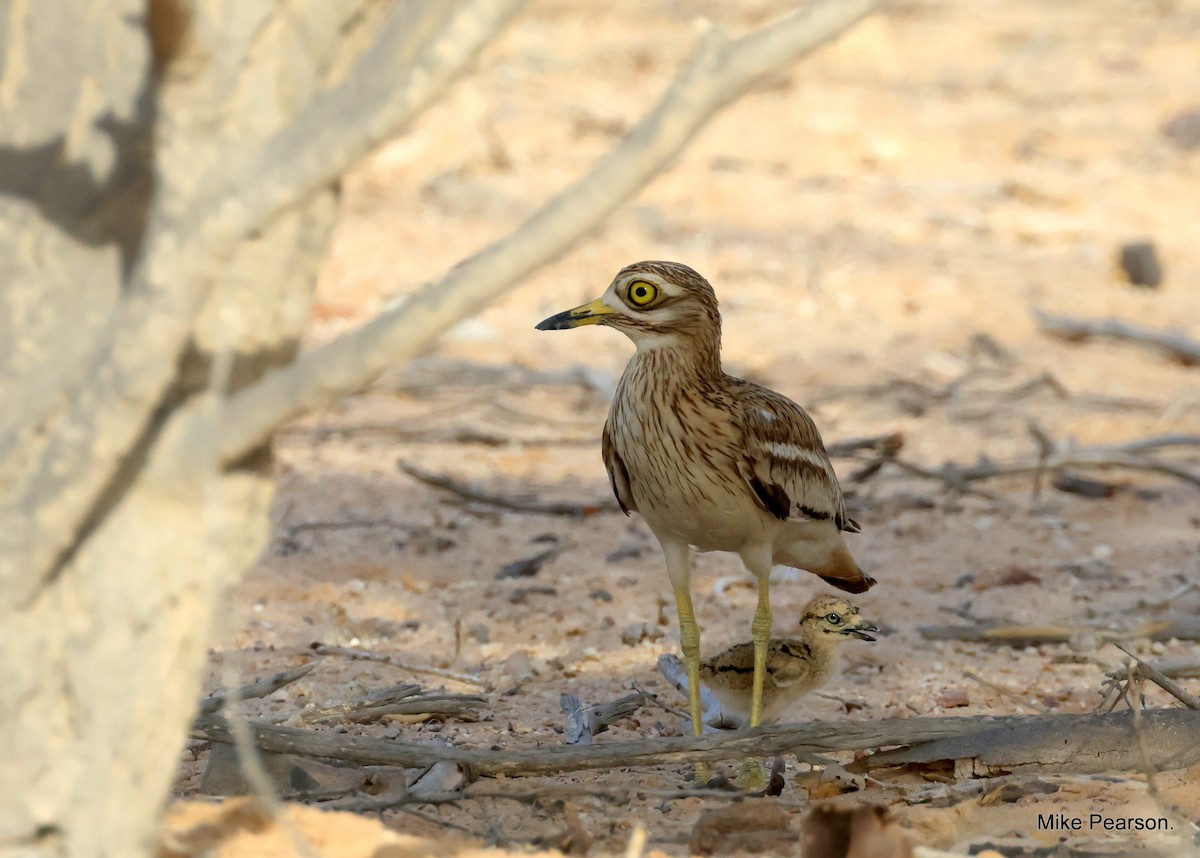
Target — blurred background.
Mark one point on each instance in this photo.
(880, 223)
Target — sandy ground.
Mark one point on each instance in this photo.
(879, 224)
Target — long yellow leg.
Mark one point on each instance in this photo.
(753, 777)
(679, 567)
(760, 631)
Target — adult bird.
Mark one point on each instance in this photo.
(711, 461)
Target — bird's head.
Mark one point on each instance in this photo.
(656, 304)
(828, 618)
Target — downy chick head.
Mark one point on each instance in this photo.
(828, 620)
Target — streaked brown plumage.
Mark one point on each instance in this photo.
(711, 461)
(795, 666)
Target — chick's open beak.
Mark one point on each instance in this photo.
(863, 631)
(589, 314)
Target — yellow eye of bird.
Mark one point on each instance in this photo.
(642, 293)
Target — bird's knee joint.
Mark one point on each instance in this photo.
(690, 645)
(761, 627)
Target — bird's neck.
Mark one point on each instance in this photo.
(674, 359)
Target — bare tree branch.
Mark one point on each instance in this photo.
(423, 47)
(68, 452)
(718, 72)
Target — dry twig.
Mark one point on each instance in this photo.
(584, 722)
(1017, 635)
(1006, 692)
(1129, 456)
(518, 504)
(1164, 682)
(1176, 346)
(260, 688)
(441, 435)
(383, 658)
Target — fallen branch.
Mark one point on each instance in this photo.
(383, 658)
(1176, 346)
(1017, 635)
(1075, 743)
(584, 722)
(887, 443)
(260, 688)
(1164, 682)
(1129, 456)
(403, 699)
(517, 504)
(1080, 744)
(443, 435)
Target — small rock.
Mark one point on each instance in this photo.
(600, 596)
(479, 633)
(953, 698)
(625, 552)
(635, 633)
(526, 567)
(521, 595)
(1139, 264)
(1183, 129)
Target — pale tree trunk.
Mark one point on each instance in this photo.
(166, 193)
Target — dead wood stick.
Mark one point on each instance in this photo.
(958, 476)
(1006, 692)
(1023, 635)
(1176, 346)
(259, 688)
(887, 443)
(518, 504)
(1179, 668)
(1081, 744)
(444, 435)
(344, 709)
(466, 706)
(1164, 682)
(384, 658)
(1076, 743)
(584, 722)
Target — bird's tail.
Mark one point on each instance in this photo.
(823, 552)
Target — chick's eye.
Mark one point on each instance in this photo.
(642, 293)
(834, 619)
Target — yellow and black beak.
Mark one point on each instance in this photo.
(589, 314)
(863, 631)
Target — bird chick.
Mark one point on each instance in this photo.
(795, 666)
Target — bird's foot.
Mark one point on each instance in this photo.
(703, 775)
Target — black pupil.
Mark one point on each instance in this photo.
(641, 291)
